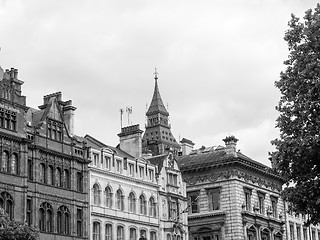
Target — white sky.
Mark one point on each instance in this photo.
(217, 63)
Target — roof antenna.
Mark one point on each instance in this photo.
(156, 74)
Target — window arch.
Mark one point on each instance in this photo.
(251, 233)
(133, 234)
(132, 202)
(152, 207)
(63, 220)
(120, 233)
(46, 217)
(108, 232)
(143, 205)
(265, 234)
(14, 164)
(6, 203)
(153, 235)
(58, 177)
(96, 194)
(143, 233)
(108, 193)
(168, 236)
(5, 161)
(96, 231)
(119, 200)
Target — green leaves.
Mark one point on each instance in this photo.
(13, 230)
(297, 155)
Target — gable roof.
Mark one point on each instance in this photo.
(158, 160)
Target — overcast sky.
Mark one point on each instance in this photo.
(217, 63)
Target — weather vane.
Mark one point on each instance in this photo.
(155, 74)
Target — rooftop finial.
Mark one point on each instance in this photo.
(155, 74)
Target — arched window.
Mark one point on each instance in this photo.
(46, 217)
(278, 236)
(63, 220)
(143, 233)
(14, 163)
(58, 177)
(251, 233)
(143, 205)
(153, 235)
(5, 161)
(133, 234)
(108, 197)
(108, 232)
(66, 178)
(42, 173)
(132, 203)
(96, 194)
(168, 236)
(119, 200)
(120, 233)
(50, 175)
(96, 231)
(152, 207)
(265, 234)
(6, 203)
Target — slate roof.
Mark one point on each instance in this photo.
(218, 157)
(158, 160)
(96, 143)
(156, 105)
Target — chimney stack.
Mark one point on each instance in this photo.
(68, 116)
(186, 146)
(130, 140)
(231, 143)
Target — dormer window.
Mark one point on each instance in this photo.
(55, 130)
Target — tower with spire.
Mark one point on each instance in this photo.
(158, 138)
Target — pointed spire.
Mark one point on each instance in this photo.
(156, 105)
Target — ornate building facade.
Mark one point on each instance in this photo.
(124, 190)
(44, 167)
(231, 196)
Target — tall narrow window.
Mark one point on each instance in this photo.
(14, 161)
(50, 175)
(96, 194)
(79, 222)
(79, 182)
(63, 220)
(274, 203)
(96, 231)
(108, 232)
(108, 197)
(30, 169)
(95, 159)
(42, 172)
(120, 233)
(153, 236)
(214, 199)
(131, 169)
(143, 207)
(247, 196)
(5, 161)
(132, 203)
(298, 232)
(108, 162)
(143, 234)
(173, 208)
(66, 178)
(133, 234)
(261, 202)
(119, 166)
(29, 212)
(152, 207)
(46, 217)
(119, 198)
(58, 177)
(291, 232)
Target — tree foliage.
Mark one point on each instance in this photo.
(297, 154)
(14, 230)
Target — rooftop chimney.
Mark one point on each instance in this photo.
(130, 140)
(186, 146)
(231, 143)
(68, 116)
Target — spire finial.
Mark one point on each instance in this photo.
(155, 74)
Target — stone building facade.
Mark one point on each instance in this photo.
(124, 191)
(44, 167)
(231, 196)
